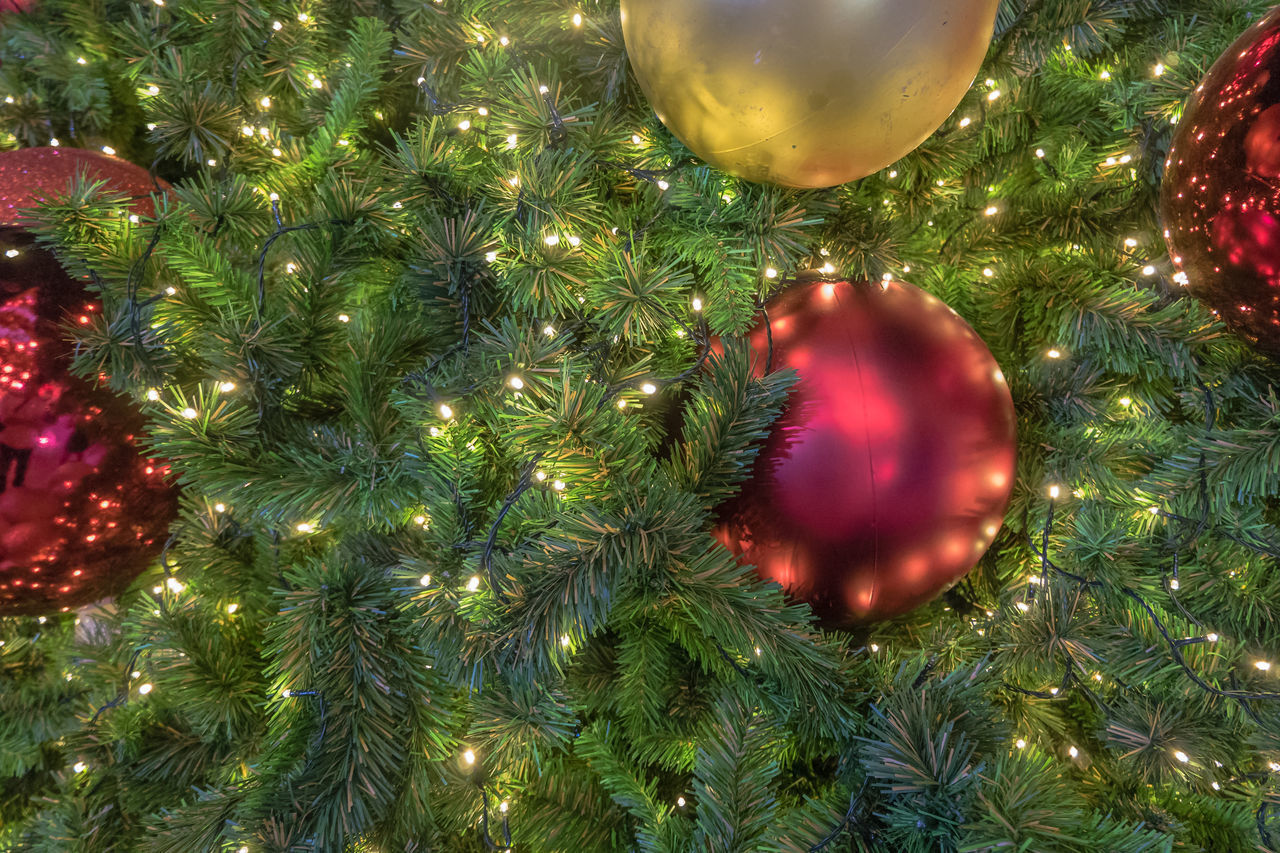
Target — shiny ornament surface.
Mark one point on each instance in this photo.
(29, 175)
(1220, 196)
(805, 93)
(81, 511)
(887, 477)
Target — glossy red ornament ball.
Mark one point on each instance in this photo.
(81, 511)
(887, 477)
(1220, 196)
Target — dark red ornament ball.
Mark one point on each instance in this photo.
(29, 175)
(1220, 197)
(888, 475)
(81, 511)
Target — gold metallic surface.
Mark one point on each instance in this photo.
(805, 93)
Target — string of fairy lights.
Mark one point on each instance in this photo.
(531, 477)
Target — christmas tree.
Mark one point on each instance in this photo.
(424, 330)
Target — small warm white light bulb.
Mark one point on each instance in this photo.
(511, 141)
(464, 125)
(306, 527)
(79, 767)
(107, 149)
(344, 318)
(425, 580)
(1054, 491)
(265, 102)
(1022, 605)
(516, 382)
(549, 330)
(827, 268)
(1131, 242)
(276, 152)
(875, 647)
(992, 210)
(577, 19)
(697, 304)
(190, 413)
(966, 121)
(1181, 756)
(770, 272)
(1211, 637)
(246, 131)
(993, 95)
(1073, 752)
(473, 584)
(552, 239)
(1175, 584)
(227, 387)
(219, 507)
(542, 90)
(1262, 665)
(648, 388)
(1053, 353)
(469, 756)
(233, 607)
(175, 586)
(1159, 69)
(564, 640)
(445, 411)
(1215, 786)
(144, 689)
(680, 802)
(277, 26)
(1020, 743)
(662, 185)
(303, 17)
(1149, 270)
(1126, 401)
(558, 485)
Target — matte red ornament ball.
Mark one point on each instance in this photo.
(888, 474)
(82, 512)
(1220, 195)
(29, 175)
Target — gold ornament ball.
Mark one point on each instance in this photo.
(805, 93)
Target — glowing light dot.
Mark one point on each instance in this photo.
(511, 141)
(246, 130)
(233, 607)
(473, 584)
(227, 387)
(144, 689)
(577, 19)
(1131, 242)
(1054, 491)
(1181, 756)
(1211, 637)
(875, 647)
(79, 767)
(680, 801)
(265, 102)
(425, 580)
(827, 269)
(11, 253)
(1040, 152)
(1159, 69)
(1022, 605)
(549, 331)
(1053, 353)
(277, 26)
(175, 586)
(574, 241)
(1105, 75)
(648, 388)
(303, 17)
(1215, 786)
(993, 95)
(190, 413)
(697, 304)
(662, 185)
(516, 382)
(503, 806)
(445, 411)
(55, 143)
(306, 527)
(991, 211)
(1053, 691)
(1020, 743)
(1148, 270)
(1126, 401)
(988, 272)
(541, 475)
(966, 121)
(622, 403)
(464, 125)
(558, 485)
(1073, 752)
(564, 640)
(1175, 584)
(552, 239)
(543, 90)
(107, 149)
(469, 756)
(1262, 665)
(276, 152)
(770, 272)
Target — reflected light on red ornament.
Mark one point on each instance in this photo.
(887, 476)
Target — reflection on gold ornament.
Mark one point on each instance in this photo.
(805, 93)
